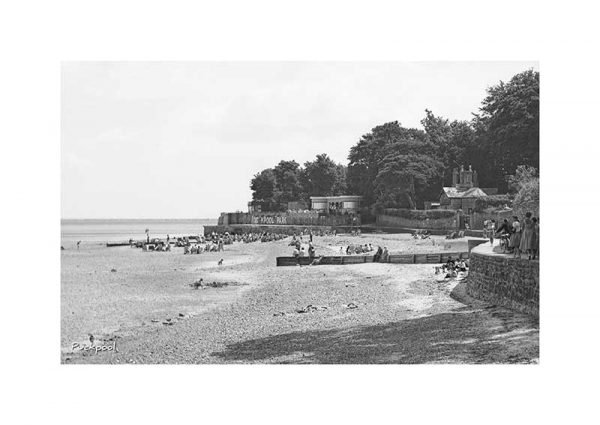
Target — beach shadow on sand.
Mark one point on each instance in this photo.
(466, 335)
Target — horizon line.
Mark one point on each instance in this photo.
(137, 218)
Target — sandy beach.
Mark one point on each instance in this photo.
(365, 313)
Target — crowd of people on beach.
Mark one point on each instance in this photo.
(215, 242)
(452, 268)
(356, 249)
(516, 238)
(421, 234)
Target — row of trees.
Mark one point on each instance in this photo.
(397, 167)
(287, 182)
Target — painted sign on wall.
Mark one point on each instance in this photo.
(269, 219)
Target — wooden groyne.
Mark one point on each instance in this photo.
(437, 258)
(112, 244)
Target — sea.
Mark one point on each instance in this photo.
(100, 231)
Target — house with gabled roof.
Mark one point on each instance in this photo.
(463, 193)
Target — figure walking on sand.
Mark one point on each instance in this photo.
(526, 244)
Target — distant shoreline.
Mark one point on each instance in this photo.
(150, 220)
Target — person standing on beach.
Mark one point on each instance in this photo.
(526, 244)
(504, 228)
(78, 242)
(491, 230)
(515, 237)
(535, 245)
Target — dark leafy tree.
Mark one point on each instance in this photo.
(263, 188)
(340, 187)
(508, 125)
(405, 180)
(287, 182)
(320, 176)
(451, 140)
(380, 167)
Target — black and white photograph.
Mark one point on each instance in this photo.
(300, 212)
(282, 212)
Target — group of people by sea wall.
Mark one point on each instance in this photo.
(215, 242)
(516, 237)
(453, 268)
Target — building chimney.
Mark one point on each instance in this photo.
(455, 177)
(466, 178)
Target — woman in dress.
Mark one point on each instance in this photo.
(535, 246)
(491, 228)
(526, 244)
(515, 237)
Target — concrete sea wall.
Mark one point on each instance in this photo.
(505, 281)
(276, 228)
(308, 218)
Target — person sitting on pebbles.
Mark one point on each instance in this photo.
(385, 255)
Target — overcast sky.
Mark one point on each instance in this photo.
(183, 140)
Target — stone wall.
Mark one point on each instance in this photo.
(504, 281)
(309, 218)
(287, 229)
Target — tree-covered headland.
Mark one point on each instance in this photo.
(392, 166)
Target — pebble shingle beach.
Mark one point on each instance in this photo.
(260, 313)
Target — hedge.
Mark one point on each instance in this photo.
(419, 214)
(493, 201)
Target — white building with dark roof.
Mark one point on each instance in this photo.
(464, 192)
(336, 204)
